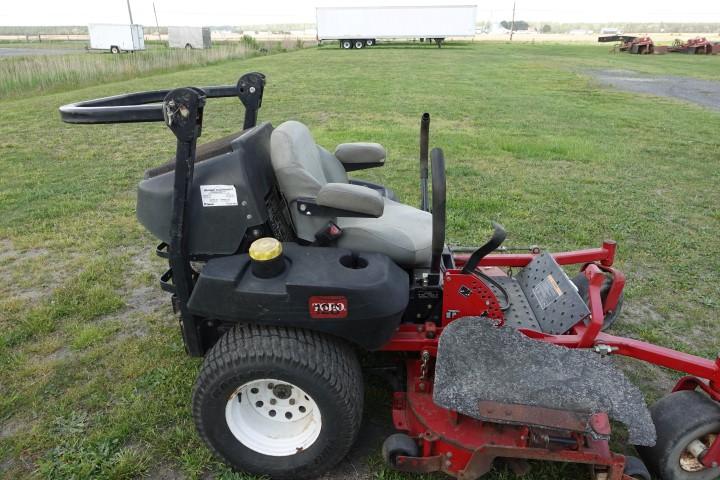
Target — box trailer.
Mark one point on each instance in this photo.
(359, 27)
(116, 38)
(189, 37)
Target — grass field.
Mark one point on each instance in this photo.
(35, 74)
(94, 382)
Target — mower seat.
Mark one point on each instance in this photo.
(303, 168)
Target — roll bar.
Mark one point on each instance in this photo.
(181, 110)
(148, 107)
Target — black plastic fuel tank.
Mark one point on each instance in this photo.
(357, 297)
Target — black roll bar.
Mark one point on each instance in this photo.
(182, 111)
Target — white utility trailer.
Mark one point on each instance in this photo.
(116, 38)
(359, 27)
(189, 37)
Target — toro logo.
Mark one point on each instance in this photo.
(328, 307)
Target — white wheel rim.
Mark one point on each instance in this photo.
(358, 44)
(347, 44)
(273, 417)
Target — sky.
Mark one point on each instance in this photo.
(249, 12)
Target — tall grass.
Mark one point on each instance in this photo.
(41, 74)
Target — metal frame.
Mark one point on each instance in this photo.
(465, 447)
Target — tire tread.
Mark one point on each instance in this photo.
(330, 360)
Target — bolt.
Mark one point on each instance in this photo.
(421, 386)
(448, 454)
(271, 386)
(248, 216)
(273, 401)
(292, 401)
(252, 89)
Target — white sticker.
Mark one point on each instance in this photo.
(218, 195)
(547, 291)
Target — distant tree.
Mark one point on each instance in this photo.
(546, 28)
(519, 25)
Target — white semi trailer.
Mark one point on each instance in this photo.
(359, 27)
(189, 37)
(116, 38)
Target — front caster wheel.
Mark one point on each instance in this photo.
(398, 444)
(281, 402)
(635, 468)
(687, 424)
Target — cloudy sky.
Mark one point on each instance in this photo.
(237, 12)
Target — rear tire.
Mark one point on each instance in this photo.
(188, 46)
(359, 44)
(249, 425)
(114, 49)
(370, 42)
(345, 44)
(681, 418)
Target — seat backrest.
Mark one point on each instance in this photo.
(302, 168)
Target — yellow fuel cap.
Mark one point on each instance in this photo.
(264, 249)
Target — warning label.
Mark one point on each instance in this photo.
(218, 195)
(547, 291)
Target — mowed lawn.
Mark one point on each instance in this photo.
(94, 381)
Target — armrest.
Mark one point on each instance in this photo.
(360, 155)
(343, 200)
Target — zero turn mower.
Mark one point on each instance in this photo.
(283, 269)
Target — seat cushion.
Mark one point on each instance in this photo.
(403, 233)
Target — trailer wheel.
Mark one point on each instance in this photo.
(359, 43)
(635, 468)
(114, 49)
(396, 445)
(582, 284)
(370, 42)
(346, 44)
(281, 402)
(687, 422)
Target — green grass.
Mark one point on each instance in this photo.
(27, 75)
(94, 381)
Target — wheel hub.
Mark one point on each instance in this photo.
(273, 417)
(689, 461)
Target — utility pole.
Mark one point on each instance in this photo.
(512, 24)
(156, 23)
(129, 12)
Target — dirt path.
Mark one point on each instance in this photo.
(701, 92)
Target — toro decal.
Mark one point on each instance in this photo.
(328, 307)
